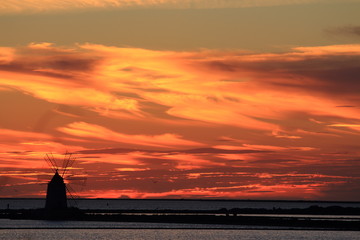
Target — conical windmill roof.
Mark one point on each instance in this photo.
(57, 178)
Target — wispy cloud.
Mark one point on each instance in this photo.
(143, 84)
(141, 114)
(38, 6)
(348, 30)
(86, 130)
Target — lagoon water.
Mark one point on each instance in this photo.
(41, 229)
(176, 234)
(91, 230)
(173, 204)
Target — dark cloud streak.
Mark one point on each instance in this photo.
(349, 30)
(189, 151)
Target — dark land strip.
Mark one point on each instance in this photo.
(324, 218)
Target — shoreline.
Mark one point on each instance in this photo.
(183, 228)
(191, 199)
(222, 217)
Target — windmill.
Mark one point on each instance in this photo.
(57, 190)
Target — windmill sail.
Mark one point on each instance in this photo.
(56, 197)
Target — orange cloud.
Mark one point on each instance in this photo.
(54, 90)
(36, 6)
(82, 129)
(282, 114)
(6, 54)
(264, 147)
(188, 162)
(305, 192)
(355, 127)
(194, 85)
(22, 141)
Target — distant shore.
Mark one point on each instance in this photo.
(172, 204)
(194, 199)
(290, 214)
(314, 217)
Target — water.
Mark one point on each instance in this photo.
(44, 224)
(41, 229)
(176, 234)
(148, 204)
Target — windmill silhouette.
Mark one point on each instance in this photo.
(57, 190)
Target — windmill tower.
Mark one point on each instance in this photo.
(56, 199)
(56, 193)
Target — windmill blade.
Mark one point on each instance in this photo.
(50, 162)
(71, 161)
(54, 161)
(64, 160)
(68, 162)
(65, 163)
(73, 196)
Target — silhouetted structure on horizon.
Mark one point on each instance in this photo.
(56, 194)
(56, 200)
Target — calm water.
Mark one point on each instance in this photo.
(44, 224)
(146, 204)
(177, 234)
(41, 229)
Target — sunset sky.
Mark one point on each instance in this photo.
(230, 99)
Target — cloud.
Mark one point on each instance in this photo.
(215, 150)
(39, 6)
(248, 148)
(354, 127)
(124, 82)
(349, 30)
(188, 159)
(6, 54)
(165, 112)
(13, 135)
(86, 130)
(290, 190)
(63, 76)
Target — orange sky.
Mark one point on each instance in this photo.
(191, 123)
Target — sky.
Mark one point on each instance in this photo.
(194, 99)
